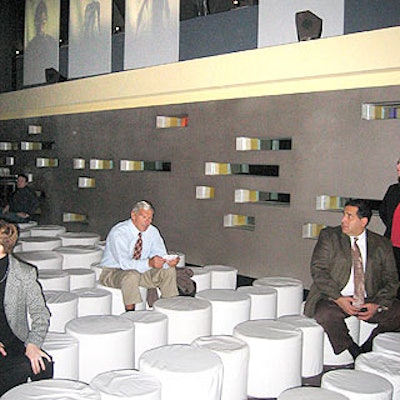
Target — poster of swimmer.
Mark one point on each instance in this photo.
(151, 33)
(89, 37)
(41, 39)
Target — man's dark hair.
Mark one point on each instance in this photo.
(23, 176)
(364, 208)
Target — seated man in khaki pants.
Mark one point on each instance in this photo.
(133, 257)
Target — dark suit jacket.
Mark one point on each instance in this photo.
(388, 206)
(331, 266)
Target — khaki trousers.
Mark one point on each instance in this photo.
(130, 280)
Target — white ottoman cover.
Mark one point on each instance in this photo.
(93, 302)
(234, 354)
(188, 318)
(54, 279)
(202, 277)
(229, 308)
(79, 238)
(263, 301)
(275, 356)
(388, 342)
(46, 259)
(79, 256)
(97, 268)
(313, 344)
(222, 276)
(52, 389)
(310, 393)
(151, 330)
(105, 344)
(64, 351)
(47, 230)
(26, 225)
(39, 243)
(81, 278)
(365, 331)
(63, 307)
(17, 248)
(290, 293)
(186, 372)
(343, 358)
(357, 385)
(127, 384)
(385, 365)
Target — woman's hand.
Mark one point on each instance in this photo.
(36, 355)
(2, 350)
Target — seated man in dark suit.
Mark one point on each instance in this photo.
(353, 279)
(22, 203)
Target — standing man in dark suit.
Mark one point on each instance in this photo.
(332, 298)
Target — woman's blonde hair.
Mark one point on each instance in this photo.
(8, 236)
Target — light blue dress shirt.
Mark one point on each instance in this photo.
(120, 245)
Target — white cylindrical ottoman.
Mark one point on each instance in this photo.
(388, 342)
(343, 358)
(357, 385)
(93, 302)
(47, 230)
(97, 268)
(184, 372)
(117, 301)
(263, 301)
(310, 393)
(234, 354)
(289, 293)
(54, 389)
(79, 238)
(39, 243)
(222, 276)
(81, 278)
(64, 351)
(385, 365)
(365, 331)
(229, 308)
(54, 279)
(281, 344)
(105, 344)
(46, 259)
(79, 256)
(202, 277)
(26, 225)
(188, 318)
(17, 248)
(63, 307)
(151, 330)
(127, 384)
(313, 344)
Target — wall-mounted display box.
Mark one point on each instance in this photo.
(247, 144)
(215, 168)
(258, 197)
(79, 163)
(46, 162)
(85, 182)
(6, 161)
(238, 221)
(130, 165)
(74, 217)
(26, 146)
(8, 146)
(205, 192)
(336, 203)
(34, 129)
(163, 121)
(311, 230)
(96, 164)
(381, 110)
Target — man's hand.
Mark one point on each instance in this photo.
(36, 356)
(346, 304)
(174, 262)
(22, 214)
(371, 309)
(2, 350)
(156, 262)
(6, 209)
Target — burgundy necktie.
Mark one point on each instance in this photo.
(137, 252)
(359, 285)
